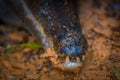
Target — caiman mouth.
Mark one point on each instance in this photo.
(65, 62)
(70, 62)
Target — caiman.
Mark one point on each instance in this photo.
(55, 23)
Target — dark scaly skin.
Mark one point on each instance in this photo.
(63, 26)
(55, 23)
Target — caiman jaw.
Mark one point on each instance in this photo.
(69, 63)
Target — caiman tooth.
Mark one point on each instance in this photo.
(78, 59)
(67, 60)
(83, 57)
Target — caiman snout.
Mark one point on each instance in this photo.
(73, 47)
(73, 44)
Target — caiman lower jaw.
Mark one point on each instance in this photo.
(71, 65)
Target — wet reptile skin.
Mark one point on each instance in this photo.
(53, 22)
